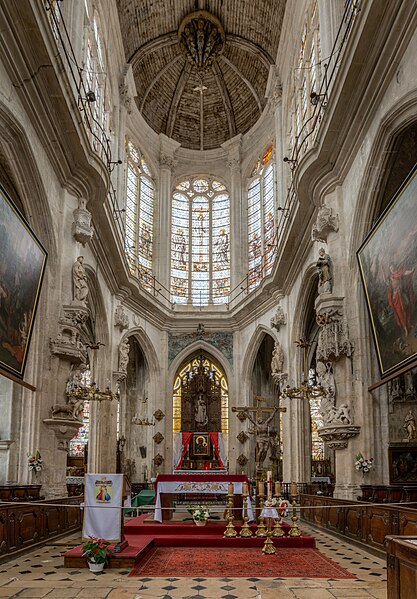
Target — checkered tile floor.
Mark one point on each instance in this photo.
(42, 574)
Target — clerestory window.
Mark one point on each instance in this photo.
(261, 219)
(140, 197)
(200, 242)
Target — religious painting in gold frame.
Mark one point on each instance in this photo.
(22, 266)
(388, 266)
(201, 445)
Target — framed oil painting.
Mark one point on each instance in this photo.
(403, 465)
(388, 266)
(201, 444)
(22, 265)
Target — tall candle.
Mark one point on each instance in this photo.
(277, 489)
(261, 488)
(244, 488)
(230, 489)
(294, 489)
(269, 475)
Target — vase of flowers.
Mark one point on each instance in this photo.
(35, 462)
(200, 515)
(97, 553)
(362, 464)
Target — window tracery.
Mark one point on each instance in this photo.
(139, 207)
(261, 219)
(200, 242)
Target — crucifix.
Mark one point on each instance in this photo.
(261, 426)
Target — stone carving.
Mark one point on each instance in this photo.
(242, 460)
(158, 438)
(325, 223)
(74, 406)
(158, 459)
(167, 162)
(79, 280)
(242, 416)
(124, 349)
(158, 414)
(277, 94)
(325, 271)
(222, 341)
(67, 344)
(81, 229)
(64, 430)
(125, 96)
(338, 435)
(279, 319)
(121, 319)
(410, 426)
(333, 338)
(263, 437)
(234, 164)
(242, 437)
(277, 362)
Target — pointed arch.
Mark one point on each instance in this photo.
(252, 350)
(147, 347)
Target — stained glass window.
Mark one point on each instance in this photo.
(78, 443)
(317, 445)
(261, 219)
(140, 195)
(306, 80)
(218, 375)
(200, 244)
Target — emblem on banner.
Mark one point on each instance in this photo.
(103, 490)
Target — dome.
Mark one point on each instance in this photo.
(201, 105)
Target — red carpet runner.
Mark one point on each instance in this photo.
(247, 562)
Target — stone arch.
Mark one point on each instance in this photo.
(193, 348)
(251, 353)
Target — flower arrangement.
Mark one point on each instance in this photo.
(199, 513)
(270, 502)
(362, 464)
(35, 462)
(95, 550)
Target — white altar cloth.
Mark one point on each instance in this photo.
(197, 487)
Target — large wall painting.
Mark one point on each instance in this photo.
(22, 265)
(388, 265)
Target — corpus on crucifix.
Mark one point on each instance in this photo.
(261, 427)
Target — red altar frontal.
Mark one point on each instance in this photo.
(167, 486)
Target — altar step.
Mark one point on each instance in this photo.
(143, 536)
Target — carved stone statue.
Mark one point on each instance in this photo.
(277, 362)
(325, 271)
(325, 223)
(263, 439)
(410, 426)
(279, 318)
(124, 349)
(343, 415)
(79, 280)
(200, 409)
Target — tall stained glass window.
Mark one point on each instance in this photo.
(78, 443)
(200, 242)
(261, 219)
(140, 195)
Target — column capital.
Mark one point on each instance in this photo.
(274, 87)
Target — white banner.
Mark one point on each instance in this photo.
(103, 502)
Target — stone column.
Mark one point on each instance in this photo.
(238, 250)
(162, 248)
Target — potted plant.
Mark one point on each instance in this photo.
(96, 552)
(200, 515)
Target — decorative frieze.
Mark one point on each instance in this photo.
(221, 341)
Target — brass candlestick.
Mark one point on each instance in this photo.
(294, 530)
(261, 530)
(230, 529)
(278, 530)
(245, 531)
(268, 547)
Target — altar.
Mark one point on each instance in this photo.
(169, 485)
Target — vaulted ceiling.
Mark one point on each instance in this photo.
(166, 80)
